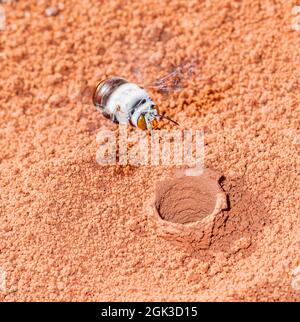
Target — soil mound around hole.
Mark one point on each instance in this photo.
(186, 209)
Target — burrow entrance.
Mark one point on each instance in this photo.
(187, 199)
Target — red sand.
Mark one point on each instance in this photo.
(73, 230)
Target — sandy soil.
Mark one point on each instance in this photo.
(74, 230)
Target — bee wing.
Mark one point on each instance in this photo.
(174, 80)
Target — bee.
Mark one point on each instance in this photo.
(124, 102)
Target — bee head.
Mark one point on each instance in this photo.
(147, 121)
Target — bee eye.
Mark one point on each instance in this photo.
(141, 123)
(154, 124)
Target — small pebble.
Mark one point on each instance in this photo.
(55, 100)
(51, 11)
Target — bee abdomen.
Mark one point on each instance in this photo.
(104, 90)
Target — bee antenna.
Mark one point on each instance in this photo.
(169, 119)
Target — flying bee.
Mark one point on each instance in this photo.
(124, 102)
